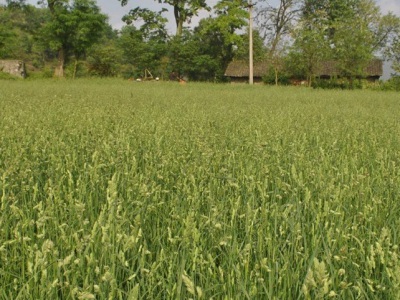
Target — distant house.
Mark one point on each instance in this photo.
(13, 67)
(329, 69)
(238, 71)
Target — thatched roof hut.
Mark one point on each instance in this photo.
(238, 71)
(328, 69)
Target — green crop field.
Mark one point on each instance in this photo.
(122, 190)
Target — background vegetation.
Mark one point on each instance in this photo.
(120, 190)
(72, 38)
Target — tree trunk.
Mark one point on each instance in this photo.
(179, 29)
(59, 71)
(178, 20)
(75, 68)
(273, 47)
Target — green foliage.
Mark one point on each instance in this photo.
(338, 83)
(153, 26)
(183, 11)
(75, 35)
(16, 4)
(19, 27)
(392, 50)
(353, 51)
(87, 25)
(218, 36)
(142, 54)
(393, 84)
(310, 46)
(73, 27)
(275, 76)
(117, 190)
(6, 76)
(104, 61)
(259, 50)
(46, 71)
(205, 53)
(181, 50)
(348, 32)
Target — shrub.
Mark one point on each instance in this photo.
(7, 76)
(270, 77)
(393, 84)
(337, 83)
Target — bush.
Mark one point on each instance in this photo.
(104, 62)
(337, 83)
(81, 69)
(6, 76)
(46, 72)
(393, 84)
(270, 77)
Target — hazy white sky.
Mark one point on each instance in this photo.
(115, 12)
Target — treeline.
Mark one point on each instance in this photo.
(72, 38)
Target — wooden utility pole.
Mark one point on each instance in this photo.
(250, 42)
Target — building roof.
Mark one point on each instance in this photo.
(330, 68)
(240, 68)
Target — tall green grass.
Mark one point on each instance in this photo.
(120, 190)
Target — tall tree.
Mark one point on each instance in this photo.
(73, 27)
(142, 50)
(184, 10)
(392, 50)
(104, 58)
(19, 26)
(310, 46)
(153, 24)
(7, 33)
(351, 32)
(144, 47)
(205, 53)
(276, 22)
(220, 35)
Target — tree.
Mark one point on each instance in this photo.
(385, 29)
(275, 23)
(73, 28)
(219, 37)
(142, 49)
(347, 32)
(310, 45)
(184, 10)
(19, 26)
(259, 49)
(392, 51)
(352, 52)
(7, 34)
(205, 53)
(153, 23)
(16, 3)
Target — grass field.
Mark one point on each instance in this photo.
(118, 190)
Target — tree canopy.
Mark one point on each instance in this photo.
(73, 37)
